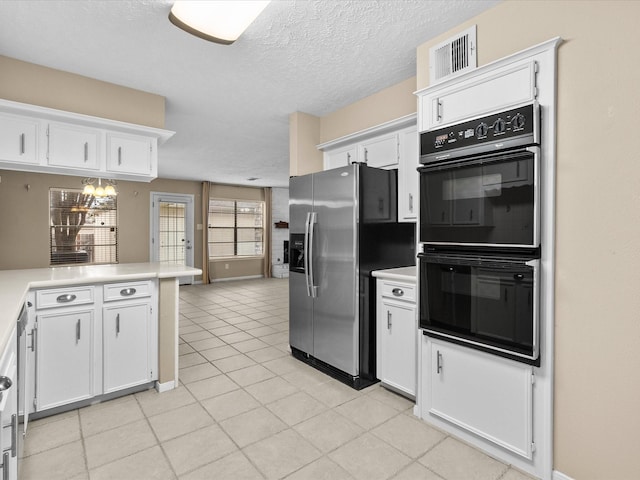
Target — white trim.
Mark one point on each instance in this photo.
(390, 126)
(165, 387)
(250, 277)
(560, 476)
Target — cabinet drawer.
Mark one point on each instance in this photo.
(64, 297)
(399, 291)
(124, 291)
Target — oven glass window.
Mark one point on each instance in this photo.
(485, 202)
(491, 305)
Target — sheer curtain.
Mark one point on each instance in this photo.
(206, 189)
(266, 270)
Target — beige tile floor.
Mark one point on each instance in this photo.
(246, 409)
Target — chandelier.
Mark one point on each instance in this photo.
(90, 188)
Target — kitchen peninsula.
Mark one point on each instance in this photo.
(16, 285)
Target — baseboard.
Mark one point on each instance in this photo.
(230, 279)
(166, 386)
(560, 476)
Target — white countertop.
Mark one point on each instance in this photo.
(14, 284)
(404, 274)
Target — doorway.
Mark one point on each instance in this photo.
(172, 230)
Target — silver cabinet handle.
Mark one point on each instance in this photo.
(366, 155)
(388, 320)
(66, 298)
(22, 144)
(14, 435)
(438, 362)
(411, 203)
(5, 466)
(127, 292)
(398, 292)
(117, 324)
(439, 111)
(119, 155)
(348, 158)
(86, 151)
(32, 347)
(78, 331)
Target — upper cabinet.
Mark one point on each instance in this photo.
(496, 90)
(390, 145)
(18, 139)
(39, 139)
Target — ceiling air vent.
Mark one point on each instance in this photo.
(453, 56)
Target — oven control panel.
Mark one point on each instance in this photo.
(502, 130)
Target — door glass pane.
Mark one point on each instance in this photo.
(172, 234)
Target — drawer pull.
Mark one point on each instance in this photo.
(398, 292)
(69, 297)
(127, 292)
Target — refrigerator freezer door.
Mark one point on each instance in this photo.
(334, 255)
(300, 303)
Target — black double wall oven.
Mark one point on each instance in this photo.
(480, 233)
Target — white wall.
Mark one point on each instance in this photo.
(279, 213)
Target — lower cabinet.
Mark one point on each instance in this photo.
(490, 396)
(9, 412)
(128, 354)
(92, 340)
(64, 358)
(396, 336)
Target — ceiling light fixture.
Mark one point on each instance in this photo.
(109, 190)
(218, 21)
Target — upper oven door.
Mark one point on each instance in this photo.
(486, 201)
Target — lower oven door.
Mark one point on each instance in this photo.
(487, 302)
(490, 200)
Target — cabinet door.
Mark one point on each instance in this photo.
(18, 139)
(65, 361)
(408, 189)
(9, 412)
(73, 146)
(496, 90)
(340, 158)
(398, 336)
(126, 341)
(129, 154)
(380, 151)
(484, 394)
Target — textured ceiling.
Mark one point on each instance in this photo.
(230, 105)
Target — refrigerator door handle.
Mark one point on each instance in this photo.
(307, 253)
(313, 288)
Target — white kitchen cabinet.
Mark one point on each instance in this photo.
(397, 330)
(129, 335)
(40, 139)
(489, 396)
(73, 146)
(127, 340)
(64, 357)
(340, 157)
(498, 89)
(380, 151)
(408, 177)
(18, 139)
(130, 154)
(9, 411)
(92, 340)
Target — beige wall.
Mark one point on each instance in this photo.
(393, 102)
(304, 135)
(24, 217)
(37, 85)
(597, 384)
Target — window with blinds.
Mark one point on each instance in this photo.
(236, 228)
(83, 228)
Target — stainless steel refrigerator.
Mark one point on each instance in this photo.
(343, 225)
